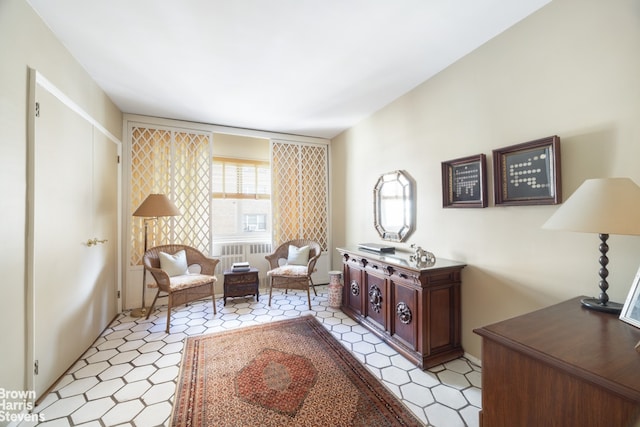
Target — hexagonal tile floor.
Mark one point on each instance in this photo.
(128, 377)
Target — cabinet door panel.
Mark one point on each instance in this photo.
(405, 314)
(440, 317)
(352, 291)
(376, 298)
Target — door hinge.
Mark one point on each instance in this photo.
(118, 159)
(35, 367)
(37, 109)
(118, 294)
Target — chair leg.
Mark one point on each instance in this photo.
(270, 289)
(169, 313)
(309, 298)
(213, 296)
(313, 286)
(153, 304)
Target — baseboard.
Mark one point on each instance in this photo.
(473, 359)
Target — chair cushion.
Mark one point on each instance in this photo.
(289, 270)
(189, 280)
(298, 256)
(174, 265)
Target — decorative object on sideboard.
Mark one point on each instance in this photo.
(631, 309)
(153, 207)
(464, 182)
(421, 257)
(528, 173)
(394, 206)
(377, 247)
(604, 206)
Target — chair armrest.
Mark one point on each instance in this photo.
(161, 278)
(311, 265)
(272, 260)
(208, 265)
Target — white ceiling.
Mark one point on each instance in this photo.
(306, 67)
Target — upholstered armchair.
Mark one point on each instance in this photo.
(291, 266)
(181, 272)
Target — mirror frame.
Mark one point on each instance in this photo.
(409, 205)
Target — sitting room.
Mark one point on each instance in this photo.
(347, 213)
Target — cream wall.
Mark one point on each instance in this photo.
(571, 69)
(26, 42)
(227, 145)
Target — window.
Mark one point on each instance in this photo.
(241, 179)
(255, 222)
(241, 199)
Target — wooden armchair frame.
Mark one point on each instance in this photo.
(185, 288)
(287, 281)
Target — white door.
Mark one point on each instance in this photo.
(74, 196)
(103, 257)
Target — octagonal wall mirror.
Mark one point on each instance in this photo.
(394, 206)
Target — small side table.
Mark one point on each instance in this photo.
(241, 283)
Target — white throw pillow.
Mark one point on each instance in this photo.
(174, 265)
(298, 256)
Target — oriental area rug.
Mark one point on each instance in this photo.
(286, 373)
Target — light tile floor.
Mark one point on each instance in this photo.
(128, 377)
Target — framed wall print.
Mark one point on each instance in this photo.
(528, 173)
(464, 182)
(631, 309)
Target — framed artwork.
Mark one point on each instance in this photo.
(464, 182)
(528, 173)
(631, 309)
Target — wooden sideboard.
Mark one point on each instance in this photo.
(564, 365)
(414, 310)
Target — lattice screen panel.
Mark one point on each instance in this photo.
(285, 197)
(176, 164)
(300, 192)
(314, 193)
(192, 189)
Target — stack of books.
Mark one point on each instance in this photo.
(240, 266)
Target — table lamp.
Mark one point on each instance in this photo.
(153, 207)
(604, 206)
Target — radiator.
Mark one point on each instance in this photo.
(253, 253)
(230, 253)
(260, 248)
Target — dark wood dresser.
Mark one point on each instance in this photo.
(560, 366)
(414, 310)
